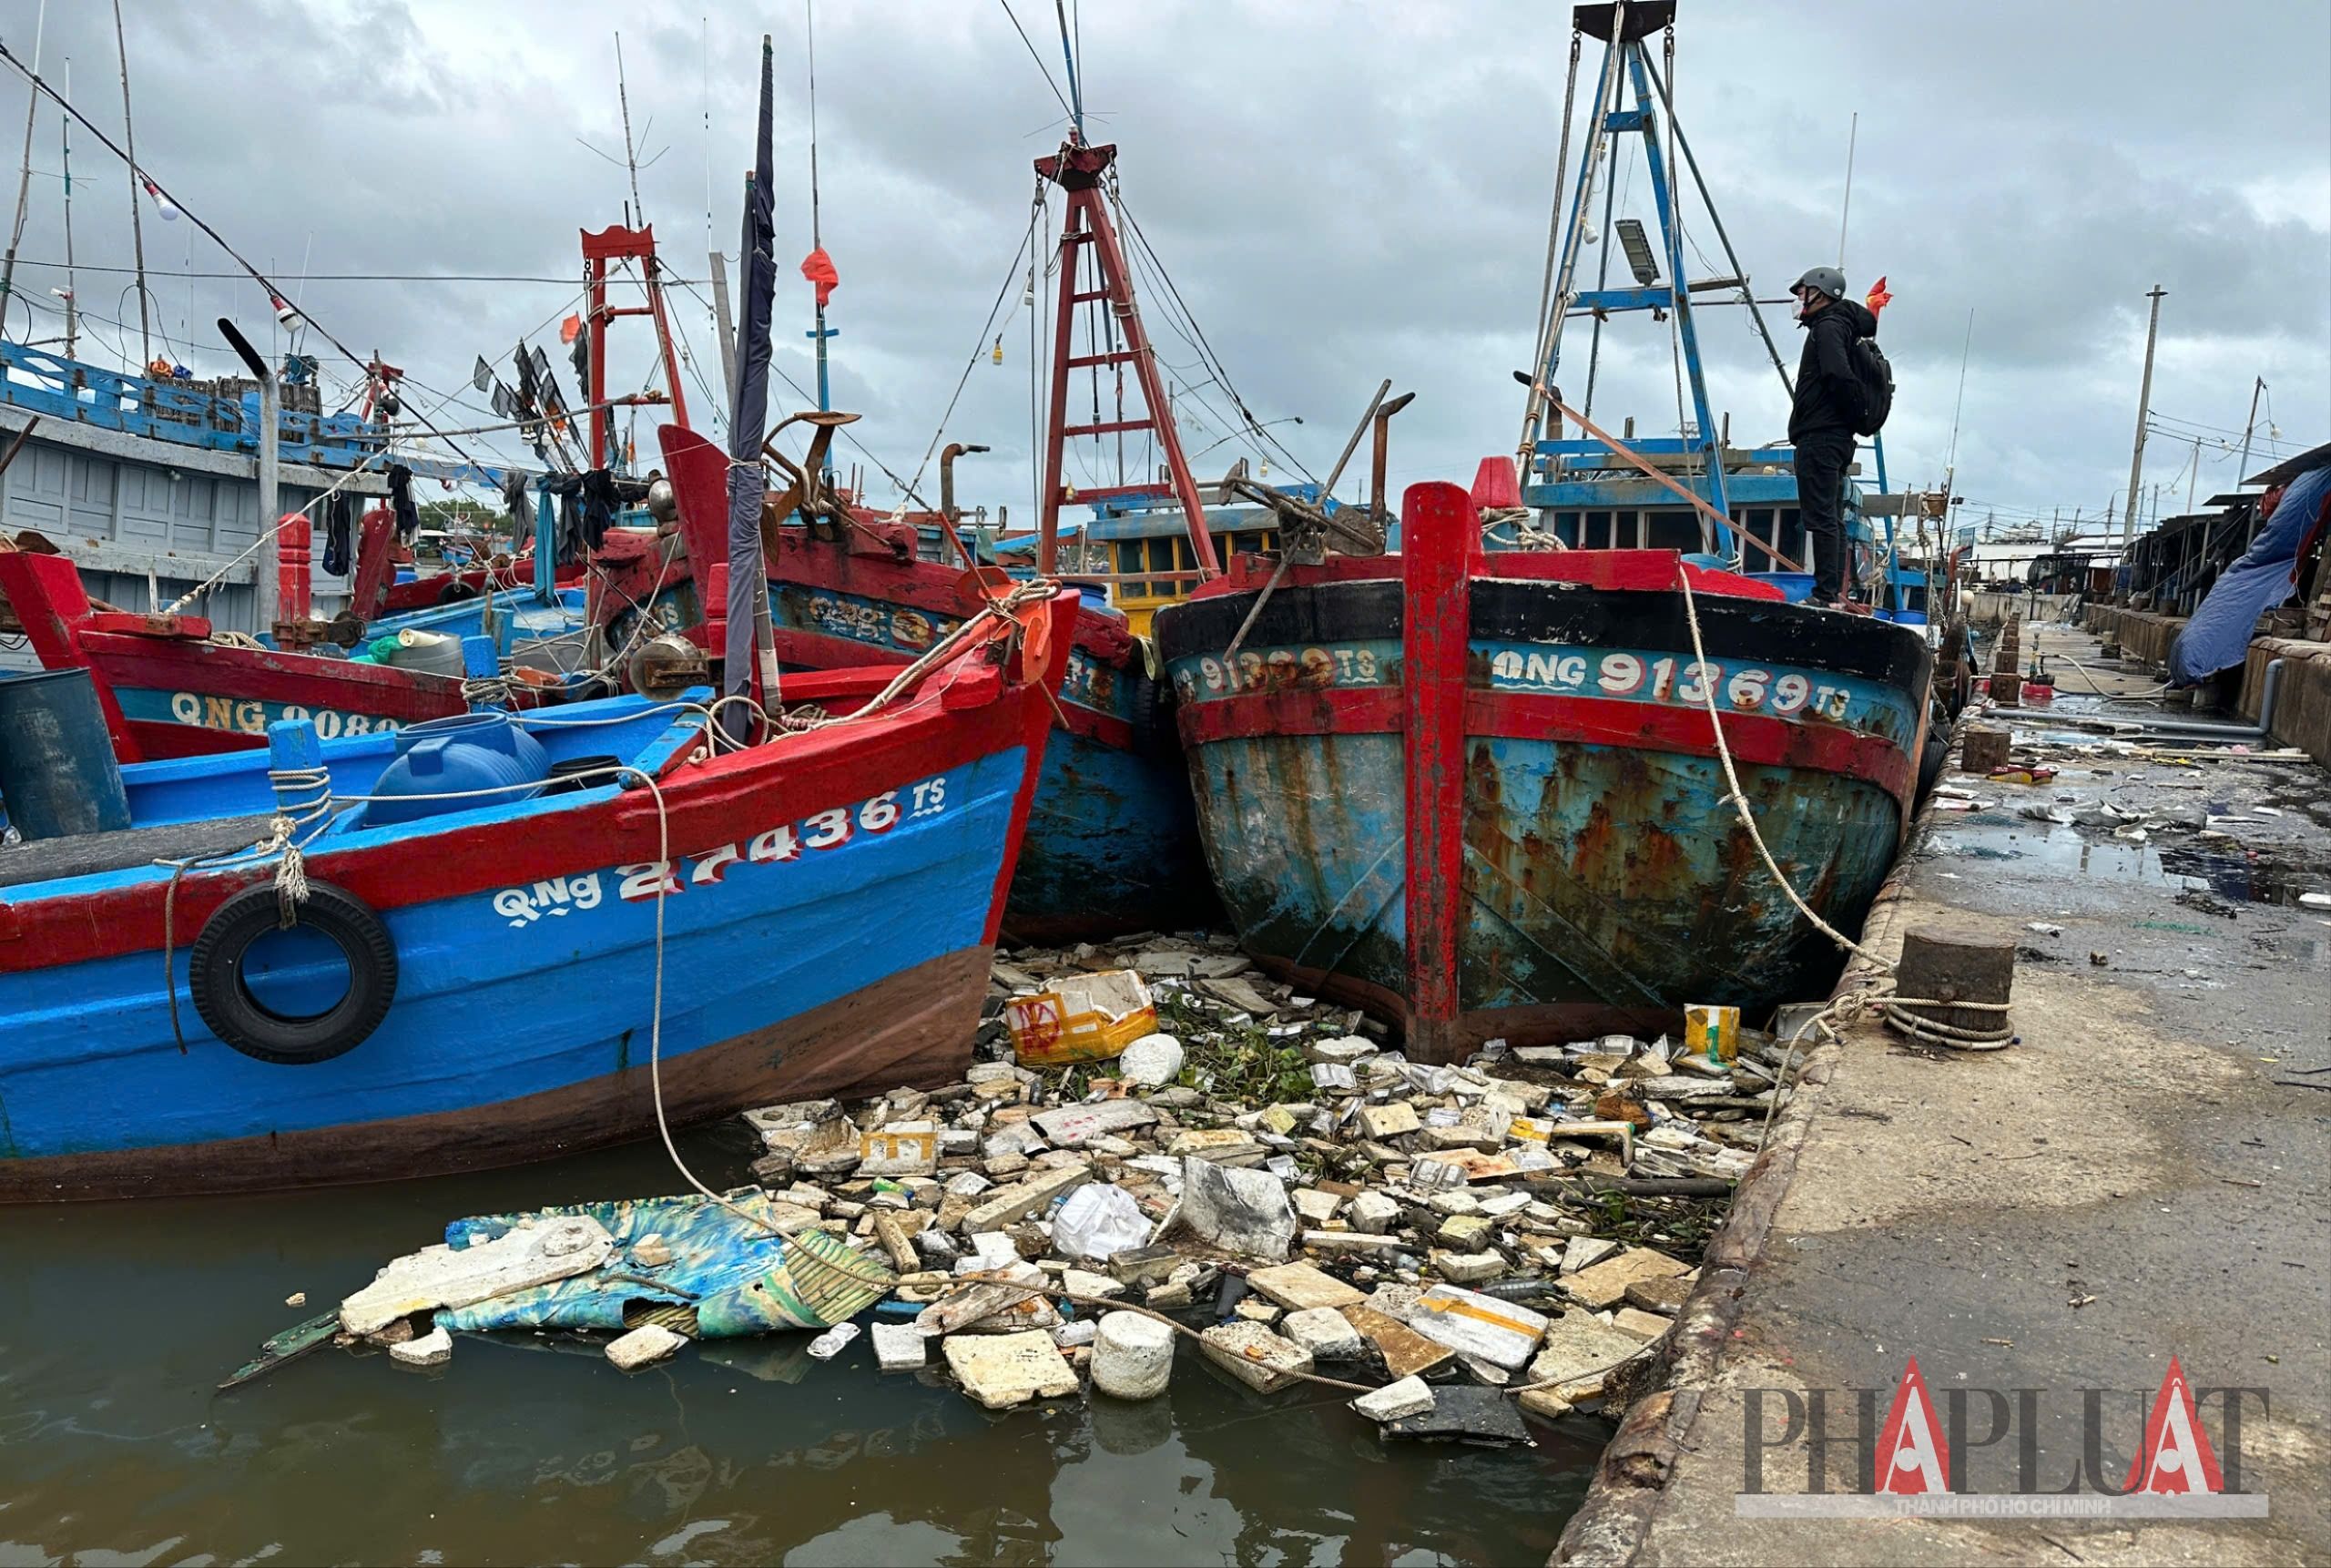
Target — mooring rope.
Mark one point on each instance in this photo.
(1853, 1003)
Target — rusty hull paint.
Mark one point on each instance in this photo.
(1605, 885)
(1112, 847)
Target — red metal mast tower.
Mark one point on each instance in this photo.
(616, 243)
(1077, 169)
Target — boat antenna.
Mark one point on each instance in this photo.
(630, 154)
(1853, 133)
(1068, 53)
(24, 176)
(816, 234)
(136, 228)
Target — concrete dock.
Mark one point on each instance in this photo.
(2141, 1177)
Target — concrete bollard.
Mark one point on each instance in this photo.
(1133, 1356)
(1984, 749)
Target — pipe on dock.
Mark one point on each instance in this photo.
(2202, 728)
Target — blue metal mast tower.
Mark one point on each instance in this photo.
(1629, 94)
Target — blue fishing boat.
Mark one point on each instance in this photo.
(487, 978)
(507, 935)
(1482, 787)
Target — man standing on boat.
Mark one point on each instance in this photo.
(1822, 420)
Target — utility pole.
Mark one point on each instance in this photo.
(2196, 473)
(137, 229)
(2144, 411)
(2249, 427)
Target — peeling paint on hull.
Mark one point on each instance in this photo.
(1605, 880)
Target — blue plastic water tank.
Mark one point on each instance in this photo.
(452, 757)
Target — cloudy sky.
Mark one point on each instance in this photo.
(1341, 192)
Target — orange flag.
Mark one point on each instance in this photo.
(570, 329)
(1878, 299)
(819, 269)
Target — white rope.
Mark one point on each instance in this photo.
(1739, 798)
(1850, 1005)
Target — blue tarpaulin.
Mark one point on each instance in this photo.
(728, 1265)
(2218, 635)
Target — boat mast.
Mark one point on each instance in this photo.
(136, 228)
(72, 285)
(1623, 28)
(618, 243)
(24, 175)
(1080, 169)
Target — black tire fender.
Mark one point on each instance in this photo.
(224, 999)
(1156, 735)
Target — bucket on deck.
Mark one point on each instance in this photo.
(57, 771)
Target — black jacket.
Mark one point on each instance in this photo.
(1826, 398)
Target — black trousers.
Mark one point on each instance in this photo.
(1821, 462)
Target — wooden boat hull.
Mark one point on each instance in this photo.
(830, 902)
(1569, 828)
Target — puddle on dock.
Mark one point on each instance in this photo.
(2269, 873)
(117, 1320)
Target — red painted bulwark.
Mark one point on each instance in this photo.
(1652, 571)
(51, 605)
(1442, 536)
(707, 804)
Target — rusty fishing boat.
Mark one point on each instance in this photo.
(1485, 788)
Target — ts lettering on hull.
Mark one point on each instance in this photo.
(1281, 669)
(245, 716)
(829, 830)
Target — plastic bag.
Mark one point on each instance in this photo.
(1098, 1220)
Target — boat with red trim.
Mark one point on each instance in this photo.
(1113, 845)
(1478, 794)
(491, 929)
(171, 687)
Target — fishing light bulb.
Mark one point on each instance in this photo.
(996, 353)
(162, 204)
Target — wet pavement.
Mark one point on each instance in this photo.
(116, 1320)
(2143, 1176)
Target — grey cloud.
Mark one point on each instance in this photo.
(1343, 192)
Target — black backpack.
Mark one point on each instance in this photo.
(1873, 385)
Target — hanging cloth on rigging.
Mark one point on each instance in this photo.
(513, 501)
(599, 502)
(408, 515)
(819, 269)
(340, 520)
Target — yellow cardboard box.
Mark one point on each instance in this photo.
(1087, 1018)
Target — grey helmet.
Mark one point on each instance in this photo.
(1823, 280)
